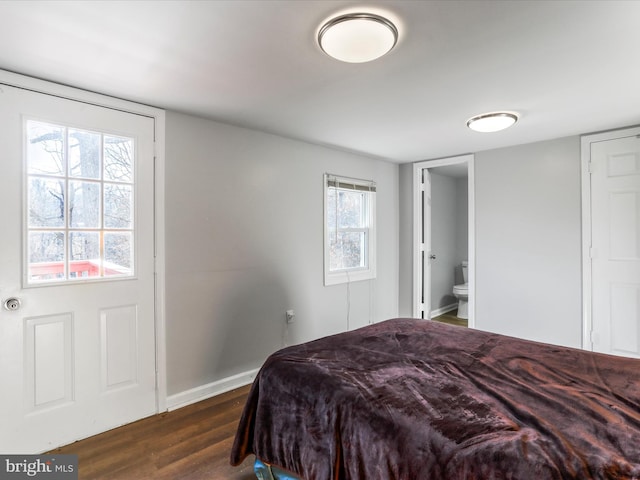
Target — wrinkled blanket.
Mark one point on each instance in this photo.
(415, 399)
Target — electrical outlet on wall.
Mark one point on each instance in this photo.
(289, 314)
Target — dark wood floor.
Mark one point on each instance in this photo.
(451, 319)
(191, 443)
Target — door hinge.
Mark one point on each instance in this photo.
(591, 167)
(422, 247)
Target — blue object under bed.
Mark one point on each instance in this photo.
(268, 472)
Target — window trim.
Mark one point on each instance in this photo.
(351, 274)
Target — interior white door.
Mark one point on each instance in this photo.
(615, 236)
(427, 256)
(77, 249)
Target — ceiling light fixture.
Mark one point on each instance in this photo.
(492, 122)
(357, 37)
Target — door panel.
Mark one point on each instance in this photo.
(119, 352)
(78, 356)
(48, 353)
(615, 222)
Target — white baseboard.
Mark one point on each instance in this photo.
(442, 310)
(209, 390)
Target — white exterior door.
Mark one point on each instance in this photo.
(615, 253)
(77, 357)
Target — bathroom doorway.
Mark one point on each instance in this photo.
(443, 236)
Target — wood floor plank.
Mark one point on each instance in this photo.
(452, 319)
(191, 443)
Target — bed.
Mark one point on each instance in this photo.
(409, 399)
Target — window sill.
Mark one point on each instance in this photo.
(336, 278)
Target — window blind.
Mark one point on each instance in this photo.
(347, 183)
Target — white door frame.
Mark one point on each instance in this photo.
(417, 230)
(587, 278)
(158, 115)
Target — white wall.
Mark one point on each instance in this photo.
(528, 241)
(244, 244)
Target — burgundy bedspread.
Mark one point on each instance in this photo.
(415, 399)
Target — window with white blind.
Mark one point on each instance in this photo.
(349, 229)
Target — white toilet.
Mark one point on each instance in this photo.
(461, 292)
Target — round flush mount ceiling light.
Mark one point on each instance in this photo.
(492, 122)
(357, 37)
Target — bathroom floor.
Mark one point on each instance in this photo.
(451, 319)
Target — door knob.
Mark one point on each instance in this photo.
(432, 256)
(12, 304)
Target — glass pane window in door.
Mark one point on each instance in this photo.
(45, 149)
(46, 255)
(118, 159)
(84, 204)
(46, 202)
(79, 209)
(84, 154)
(84, 252)
(118, 258)
(118, 205)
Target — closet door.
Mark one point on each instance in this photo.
(615, 252)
